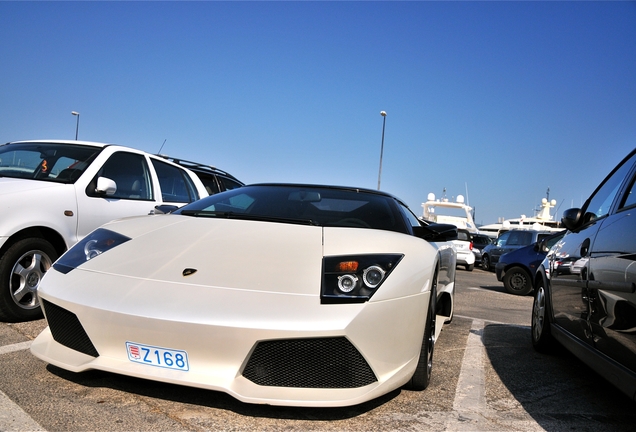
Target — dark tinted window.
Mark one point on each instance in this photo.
(176, 185)
(519, 238)
(542, 236)
(319, 206)
(601, 201)
(481, 240)
(629, 200)
(209, 181)
(410, 217)
(130, 173)
(551, 242)
(503, 239)
(228, 183)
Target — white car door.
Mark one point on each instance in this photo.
(134, 194)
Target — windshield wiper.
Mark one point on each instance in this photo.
(245, 216)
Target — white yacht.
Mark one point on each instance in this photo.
(456, 212)
(542, 221)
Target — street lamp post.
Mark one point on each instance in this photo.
(75, 113)
(383, 114)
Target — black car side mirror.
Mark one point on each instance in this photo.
(571, 218)
(436, 232)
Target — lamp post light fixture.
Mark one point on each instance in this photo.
(383, 114)
(75, 113)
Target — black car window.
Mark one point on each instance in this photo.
(130, 173)
(502, 239)
(629, 200)
(209, 181)
(551, 242)
(481, 241)
(228, 184)
(599, 204)
(319, 206)
(519, 238)
(542, 236)
(176, 185)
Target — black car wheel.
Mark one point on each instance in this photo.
(21, 269)
(542, 339)
(517, 281)
(485, 262)
(422, 376)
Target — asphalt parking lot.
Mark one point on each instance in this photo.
(486, 377)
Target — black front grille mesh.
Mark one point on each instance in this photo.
(308, 363)
(67, 330)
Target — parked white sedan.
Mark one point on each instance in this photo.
(276, 294)
(53, 193)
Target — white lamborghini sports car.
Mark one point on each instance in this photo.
(276, 294)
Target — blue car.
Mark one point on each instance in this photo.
(517, 268)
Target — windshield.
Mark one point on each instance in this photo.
(322, 206)
(62, 163)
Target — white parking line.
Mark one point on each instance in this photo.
(470, 409)
(470, 399)
(12, 417)
(15, 347)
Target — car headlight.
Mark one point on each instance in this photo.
(355, 278)
(91, 246)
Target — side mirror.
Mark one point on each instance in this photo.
(436, 232)
(573, 218)
(106, 186)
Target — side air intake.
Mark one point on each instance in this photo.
(67, 329)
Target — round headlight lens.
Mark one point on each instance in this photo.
(347, 283)
(90, 250)
(373, 275)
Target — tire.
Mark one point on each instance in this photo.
(422, 375)
(21, 269)
(470, 267)
(517, 281)
(542, 339)
(485, 263)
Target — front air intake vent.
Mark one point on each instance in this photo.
(67, 330)
(308, 363)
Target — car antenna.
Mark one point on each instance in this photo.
(164, 142)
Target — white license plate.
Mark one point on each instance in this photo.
(157, 356)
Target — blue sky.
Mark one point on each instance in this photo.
(500, 99)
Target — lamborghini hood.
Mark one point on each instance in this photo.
(221, 253)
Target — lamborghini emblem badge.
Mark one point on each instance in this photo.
(189, 271)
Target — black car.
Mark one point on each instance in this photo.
(516, 268)
(585, 289)
(480, 241)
